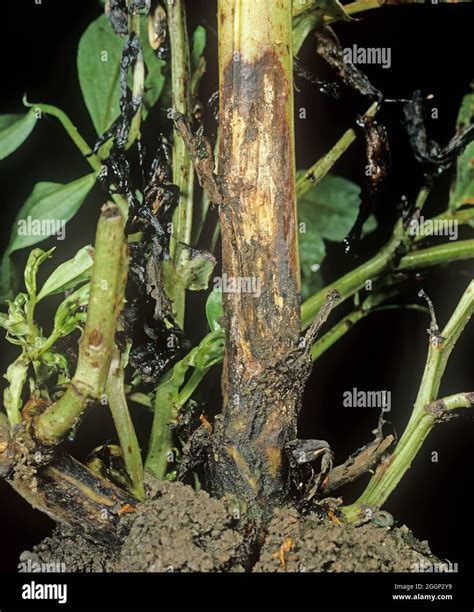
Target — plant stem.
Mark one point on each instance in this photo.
(422, 420)
(71, 130)
(92, 159)
(258, 228)
(462, 217)
(123, 424)
(354, 280)
(354, 8)
(162, 440)
(443, 253)
(313, 175)
(183, 173)
(97, 340)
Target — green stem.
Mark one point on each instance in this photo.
(173, 393)
(162, 440)
(183, 173)
(314, 174)
(453, 402)
(443, 253)
(461, 217)
(92, 159)
(97, 340)
(117, 401)
(348, 284)
(422, 420)
(191, 386)
(215, 236)
(138, 81)
(354, 280)
(354, 8)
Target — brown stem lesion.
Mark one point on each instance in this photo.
(259, 244)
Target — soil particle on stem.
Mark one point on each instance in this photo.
(310, 544)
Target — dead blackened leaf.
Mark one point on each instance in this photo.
(329, 48)
(117, 14)
(429, 153)
(158, 32)
(378, 162)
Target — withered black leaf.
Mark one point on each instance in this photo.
(378, 162)
(117, 14)
(329, 48)
(428, 152)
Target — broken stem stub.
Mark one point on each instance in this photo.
(97, 340)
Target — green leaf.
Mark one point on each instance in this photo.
(326, 212)
(69, 315)
(15, 322)
(214, 309)
(193, 271)
(334, 9)
(308, 19)
(209, 352)
(48, 206)
(302, 26)
(198, 270)
(98, 64)
(69, 274)
(462, 189)
(35, 259)
(14, 130)
(198, 46)
(45, 213)
(16, 376)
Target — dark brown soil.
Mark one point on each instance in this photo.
(311, 544)
(75, 552)
(183, 531)
(180, 530)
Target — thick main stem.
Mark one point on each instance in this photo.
(258, 220)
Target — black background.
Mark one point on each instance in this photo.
(430, 51)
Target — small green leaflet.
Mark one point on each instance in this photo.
(196, 271)
(98, 64)
(326, 212)
(45, 213)
(214, 309)
(35, 259)
(14, 130)
(69, 274)
(198, 46)
(462, 189)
